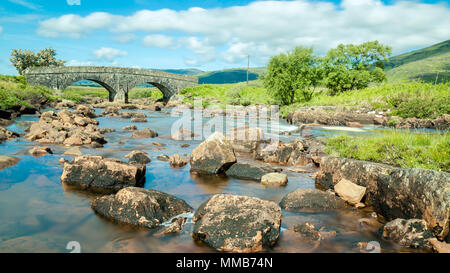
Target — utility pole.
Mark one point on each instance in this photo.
(248, 67)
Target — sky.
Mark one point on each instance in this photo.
(210, 34)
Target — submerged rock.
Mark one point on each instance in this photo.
(99, 174)
(138, 157)
(40, 151)
(311, 200)
(129, 128)
(7, 134)
(144, 133)
(237, 223)
(7, 161)
(274, 179)
(248, 171)
(175, 227)
(214, 155)
(140, 207)
(163, 157)
(410, 233)
(177, 161)
(138, 120)
(395, 192)
(73, 151)
(183, 134)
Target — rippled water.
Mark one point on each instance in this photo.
(38, 214)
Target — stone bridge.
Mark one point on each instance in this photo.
(117, 80)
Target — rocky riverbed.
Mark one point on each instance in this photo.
(115, 184)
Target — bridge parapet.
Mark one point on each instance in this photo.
(117, 80)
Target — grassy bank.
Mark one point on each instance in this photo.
(234, 94)
(414, 99)
(402, 149)
(15, 91)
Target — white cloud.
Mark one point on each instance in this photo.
(26, 4)
(1, 29)
(158, 40)
(125, 38)
(265, 28)
(109, 54)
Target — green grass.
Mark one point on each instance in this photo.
(413, 99)
(234, 75)
(397, 148)
(235, 94)
(14, 91)
(152, 93)
(78, 93)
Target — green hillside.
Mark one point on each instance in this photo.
(417, 55)
(233, 75)
(431, 69)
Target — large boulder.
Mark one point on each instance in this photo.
(410, 233)
(249, 171)
(237, 223)
(311, 200)
(140, 207)
(99, 174)
(214, 155)
(245, 139)
(177, 161)
(395, 192)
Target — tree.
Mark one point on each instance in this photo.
(351, 66)
(22, 59)
(296, 71)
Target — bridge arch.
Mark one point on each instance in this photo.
(117, 80)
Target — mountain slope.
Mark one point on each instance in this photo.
(432, 69)
(417, 55)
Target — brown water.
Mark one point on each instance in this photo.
(38, 214)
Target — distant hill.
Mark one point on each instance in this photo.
(417, 55)
(431, 69)
(233, 75)
(187, 71)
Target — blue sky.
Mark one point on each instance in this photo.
(210, 34)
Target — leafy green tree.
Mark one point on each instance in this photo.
(22, 59)
(351, 66)
(295, 71)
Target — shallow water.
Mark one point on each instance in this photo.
(39, 214)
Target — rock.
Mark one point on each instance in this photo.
(274, 179)
(214, 155)
(184, 145)
(328, 115)
(410, 233)
(248, 171)
(353, 124)
(140, 207)
(349, 191)
(7, 134)
(73, 151)
(177, 161)
(138, 157)
(159, 144)
(7, 161)
(395, 192)
(163, 157)
(237, 223)
(308, 231)
(111, 111)
(245, 139)
(40, 151)
(106, 130)
(297, 152)
(439, 247)
(62, 160)
(144, 133)
(129, 128)
(99, 174)
(175, 227)
(311, 200)
(138, 120)
(73, 140)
